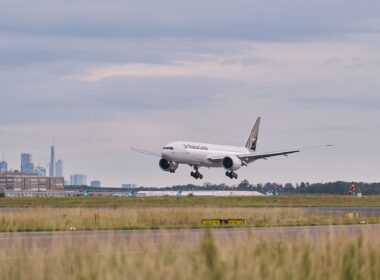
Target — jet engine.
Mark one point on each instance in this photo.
(231, 163)
(169, 166)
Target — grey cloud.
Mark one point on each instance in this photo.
(359, 93)
(356, 102)
(18, 50)
(65, 102)
(269, 20)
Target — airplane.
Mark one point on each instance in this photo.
(231, 158)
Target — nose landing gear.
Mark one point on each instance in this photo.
(196, 174)
(231, 174)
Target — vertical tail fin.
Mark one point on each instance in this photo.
(252, 139)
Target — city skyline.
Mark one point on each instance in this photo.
(102, 80)
(27, 165)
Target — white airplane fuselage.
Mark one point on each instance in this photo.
(197, 154)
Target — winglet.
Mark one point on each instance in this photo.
(252, 139)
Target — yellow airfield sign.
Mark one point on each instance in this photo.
(218, 222)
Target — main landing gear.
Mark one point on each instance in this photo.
(231, 174)
(196, 174)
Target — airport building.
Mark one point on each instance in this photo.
(21, 181)
(129, 186)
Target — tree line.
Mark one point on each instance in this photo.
(338, 188)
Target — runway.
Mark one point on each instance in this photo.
(364, 210)
(179, 234)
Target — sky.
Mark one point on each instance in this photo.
(101, 77)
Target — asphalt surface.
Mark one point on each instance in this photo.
(279, 232)
(365, 210)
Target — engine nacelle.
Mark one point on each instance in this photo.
(169, 166)
(231, 163)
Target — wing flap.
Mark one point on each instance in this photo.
(255, 156)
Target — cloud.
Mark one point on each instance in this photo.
(176, 69)
(295, 72)
(242, 19)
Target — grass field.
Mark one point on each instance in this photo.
(60, 219)
(166, 201)
(332, 256)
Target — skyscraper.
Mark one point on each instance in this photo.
(59, 168)
(78, 180)
(52, 162)
(41, 171)
(3, 166)
(27, 165)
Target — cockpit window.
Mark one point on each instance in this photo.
(168, 148)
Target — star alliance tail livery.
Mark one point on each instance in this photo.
(231, 158)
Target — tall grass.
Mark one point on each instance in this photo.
(334, 256)
(56, 219)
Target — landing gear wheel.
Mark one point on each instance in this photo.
(196, 174)
(231, 174)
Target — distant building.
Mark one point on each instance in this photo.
(27, 165)
(78, 180)
(21, 181)
(96, 184)
(40, 170)
(3, 166)
(52, 162)
(129, 186)
(59, 168)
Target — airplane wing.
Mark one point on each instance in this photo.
(250, 157)
(146, 152)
